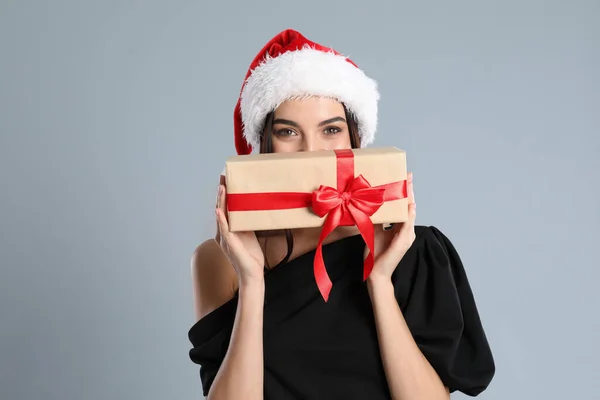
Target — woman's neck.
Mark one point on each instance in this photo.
(275, 246)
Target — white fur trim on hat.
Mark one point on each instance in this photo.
(304, 73)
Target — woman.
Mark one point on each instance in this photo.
(410, 331)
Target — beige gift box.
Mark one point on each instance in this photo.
(256, 182)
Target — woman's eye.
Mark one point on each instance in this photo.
(332, 130)
(285, 132)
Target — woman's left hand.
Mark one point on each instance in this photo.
(391, 245)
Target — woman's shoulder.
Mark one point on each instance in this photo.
(213, 277)
(432, 265)
(429, 233)
(429, 239)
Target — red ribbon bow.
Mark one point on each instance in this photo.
(352, 206)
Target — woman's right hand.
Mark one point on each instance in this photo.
(241, 248)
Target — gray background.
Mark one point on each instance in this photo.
(116, 118)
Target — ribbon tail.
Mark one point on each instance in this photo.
(323, 281)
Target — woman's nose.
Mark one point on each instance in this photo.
(312, 144)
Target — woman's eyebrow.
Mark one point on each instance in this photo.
(292, 123)
(332, 120)
(285, 122)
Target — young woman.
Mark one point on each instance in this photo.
(263, 331)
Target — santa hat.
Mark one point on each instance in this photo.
(290, 66)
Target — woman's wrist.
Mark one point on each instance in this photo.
(376, 279)
(251, 284)
(252, 300)
(378, 283)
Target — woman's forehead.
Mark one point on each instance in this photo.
(310, 108)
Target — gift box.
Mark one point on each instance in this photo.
(275, 191)
(324, 189)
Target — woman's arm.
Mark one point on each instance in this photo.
(241, 373)
(409, 374)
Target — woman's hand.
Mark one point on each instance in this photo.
(391, 245)
(241, 248)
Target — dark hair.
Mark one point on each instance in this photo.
(266, 146)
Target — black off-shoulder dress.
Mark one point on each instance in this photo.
(329, 350)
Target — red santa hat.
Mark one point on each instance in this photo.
(291, 66)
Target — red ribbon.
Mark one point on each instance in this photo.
(353, 202)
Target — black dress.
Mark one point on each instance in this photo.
(319, 350)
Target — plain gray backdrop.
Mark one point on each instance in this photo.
(116, 118)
